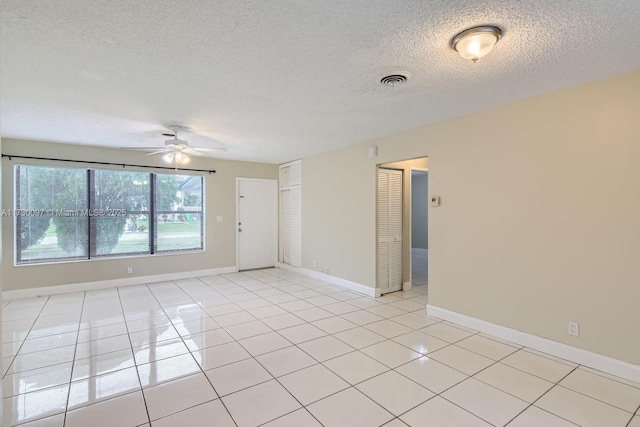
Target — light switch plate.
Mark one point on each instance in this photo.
(219, 218)
(434, 201)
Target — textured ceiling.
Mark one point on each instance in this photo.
(278, 80)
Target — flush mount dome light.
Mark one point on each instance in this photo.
(476, 42)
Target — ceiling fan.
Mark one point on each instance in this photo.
(176, 150)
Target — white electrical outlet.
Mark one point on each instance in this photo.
(325, 270)
(315, 263)
(574, 329)
(130, 270)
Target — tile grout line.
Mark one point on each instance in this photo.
(633, 416)
(295, 345)
(556, 384)
(529, 373)
(302, 406)
(463, 380)
(192, 356)
(593, 398)
(250, 289)
(467, 378)
(146, 408)
(23, 342)
(273, 378)
(609, 377)
(257, 361)
(25, 337)
(334, 315)
(73, 364)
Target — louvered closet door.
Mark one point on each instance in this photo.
(291, 214)
(389, 270)
(295, 234)
(285, 224)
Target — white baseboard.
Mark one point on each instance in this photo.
(593, 360)
(407, 286)
(112, 283)
(140, 280)
(352, 286)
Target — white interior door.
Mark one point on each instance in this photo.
(257, 231)
(389, 264)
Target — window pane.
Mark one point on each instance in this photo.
(51, 220)
(120, 221)
(179, 212)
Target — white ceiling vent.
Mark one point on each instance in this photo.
(394, 80)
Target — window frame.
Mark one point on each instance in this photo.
(91, 243)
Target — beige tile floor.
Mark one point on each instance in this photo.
(275, 348)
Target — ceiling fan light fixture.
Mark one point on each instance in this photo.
(181, 158)
(476, 42)
(177, 157)
(176, 151)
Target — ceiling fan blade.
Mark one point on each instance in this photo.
(208, 149)
(158, 152)
(198, 139)
(202, 152)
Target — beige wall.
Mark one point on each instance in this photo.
(220, 240)
(538, 223)
(405, 166)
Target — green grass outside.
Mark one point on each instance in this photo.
(171, 236)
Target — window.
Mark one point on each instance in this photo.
(39, 235)
(123, 198)
(70, 214)
(179, 212)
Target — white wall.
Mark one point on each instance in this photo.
(539, 216)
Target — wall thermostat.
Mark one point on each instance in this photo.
(434, 201)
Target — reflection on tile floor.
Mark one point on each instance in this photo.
(276, 348)
(419, 266)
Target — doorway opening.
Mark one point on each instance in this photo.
(419, 227)
(410, 263)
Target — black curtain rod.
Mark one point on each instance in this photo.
(10, 156)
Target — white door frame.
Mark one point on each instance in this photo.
(276, 233)
(409, 284)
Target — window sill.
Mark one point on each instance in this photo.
(115, 257)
